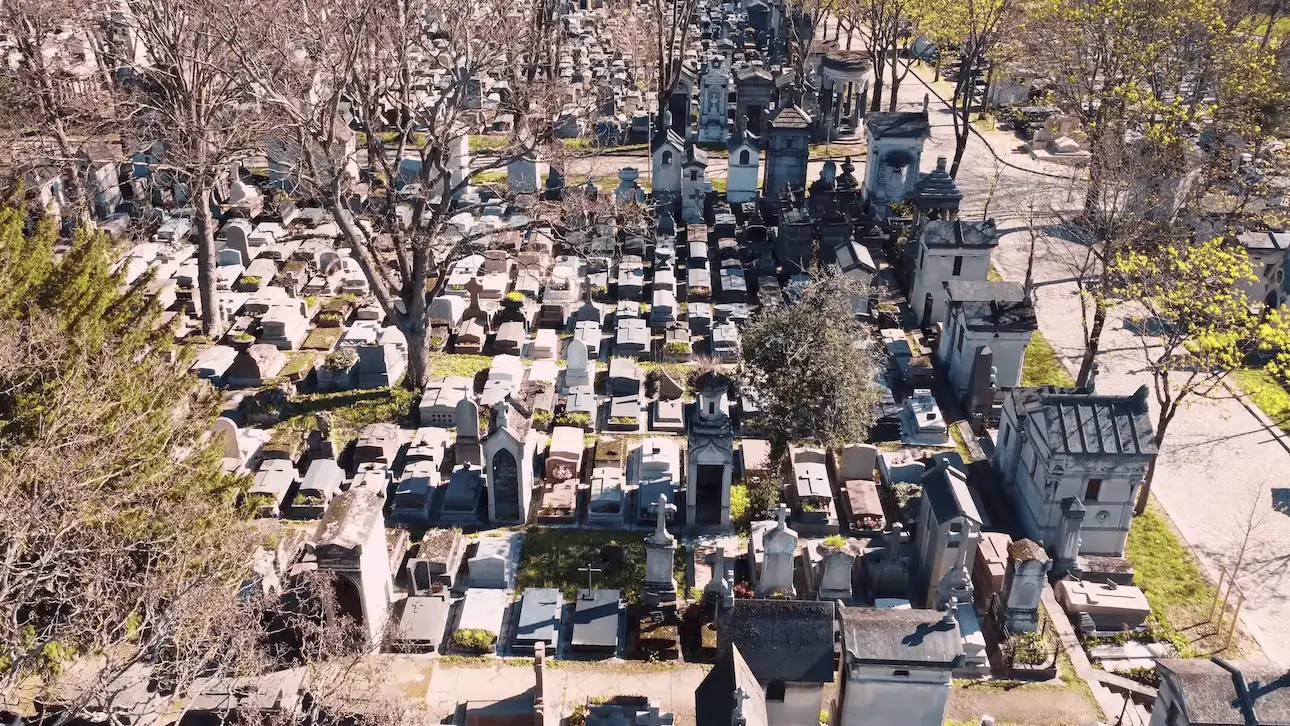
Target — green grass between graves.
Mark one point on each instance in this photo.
(1266, 393)
(1169, 575)
(1042, 366)
(457, 364)
(350, 410)
(489, 177)
(553, 558)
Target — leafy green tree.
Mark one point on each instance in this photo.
(814, 366)
(1199, 323)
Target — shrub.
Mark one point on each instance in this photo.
(476, 640)
(243, 337)
(542, 417)
(622, 420)
(514, 296)
(739, 504)
(574, 418)
(252, 280)
(341, 360)
(700, 291)
(303, 500)
(1031, 649)
(676, 346)
(835, 540)
(329, 317)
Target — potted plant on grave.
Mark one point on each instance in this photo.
(677, 350)
(240, 339)
(336, 372)
(250, 283)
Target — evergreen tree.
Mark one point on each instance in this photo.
(117, 525)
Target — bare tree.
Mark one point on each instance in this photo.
(56, 86)
(413, 76)
(197, 116)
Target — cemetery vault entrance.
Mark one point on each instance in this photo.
(708, 495)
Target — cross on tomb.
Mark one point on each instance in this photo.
(662, 508)
(590, 570)
(781, 515)
(740, 696)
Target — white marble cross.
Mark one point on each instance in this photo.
(662, 508)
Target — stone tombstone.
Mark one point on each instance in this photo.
(858, 461)
(467, 419)
(956, 584)
(660, 549)
(1023, 584)
(226, 429)
(780, 546)
(522, 174)
(321, 441)
(668, 387)
(836, 563)
(577, 370)
(889, 575)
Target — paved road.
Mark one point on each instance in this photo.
(1217, 463)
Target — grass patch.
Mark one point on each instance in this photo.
(489, 177)
(718, 185)
(553, 558)
(1266, 393)
(416, 140)
(299, 364)
(1170, 577)
(992, 274)
(458, 364)
(489, 143)
(1042, 366)
(350, 410)
(960, 444)
(322, 339)
(837, 152)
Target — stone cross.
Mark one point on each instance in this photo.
(739, 697)
(781, 515)
(893, 542)
(590, 571)
(662, 508)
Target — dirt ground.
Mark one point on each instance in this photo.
(1031, 704)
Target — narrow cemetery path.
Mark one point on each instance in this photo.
(1217, 461)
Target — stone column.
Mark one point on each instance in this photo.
(1067, 546)
(725, 495)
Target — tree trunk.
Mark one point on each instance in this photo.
(1092, 344)
(418, 354)
(895, 80)
(211, 318)
(960, 102)
(875, 104)
(1093, 196)
(1145, 493)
